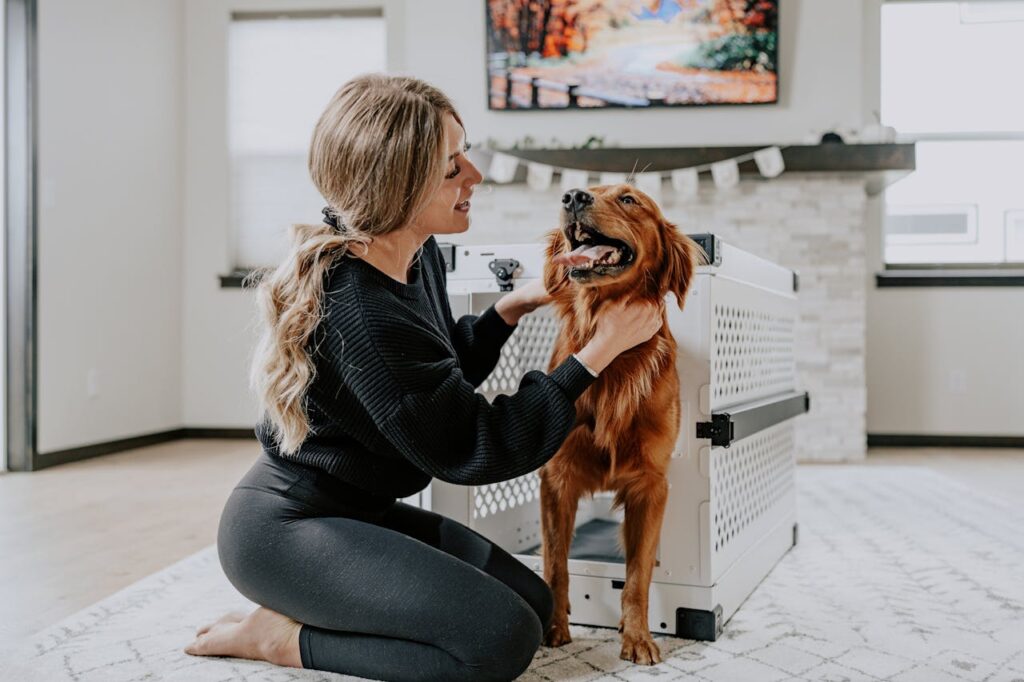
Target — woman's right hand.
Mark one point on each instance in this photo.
(621, 325)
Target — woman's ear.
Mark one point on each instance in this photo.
(556, 277)
(681, 257)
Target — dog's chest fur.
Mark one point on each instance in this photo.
(631, 399)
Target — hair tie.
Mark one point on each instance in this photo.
(332, 218)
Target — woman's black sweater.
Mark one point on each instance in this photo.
(393, 402)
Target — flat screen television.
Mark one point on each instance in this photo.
(581, 54)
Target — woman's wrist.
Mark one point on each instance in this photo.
(510, 308)
(597, 354)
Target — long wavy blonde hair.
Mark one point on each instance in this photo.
(377, 155)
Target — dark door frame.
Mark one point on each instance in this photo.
(20, 65)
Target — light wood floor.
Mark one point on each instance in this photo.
(74, 534)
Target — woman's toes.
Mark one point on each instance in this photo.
(223, 639)
(232, 617)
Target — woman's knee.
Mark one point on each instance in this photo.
(506, 651)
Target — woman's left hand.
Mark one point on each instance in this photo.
(524, 300)
(533, 295)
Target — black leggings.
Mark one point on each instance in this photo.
(383, 589)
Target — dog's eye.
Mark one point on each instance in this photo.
(627, 199)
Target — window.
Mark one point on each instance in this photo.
(282, 71)
(950, 82)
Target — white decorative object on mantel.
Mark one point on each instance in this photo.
(685, 182)
(538, 176)
(769, 162)
(572, 179)
(726, 173)
(612, 178)
(503, 168)
(650, 184)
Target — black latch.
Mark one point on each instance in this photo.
(719, 430)
(504, 270)
(711, 245)
(448, 253)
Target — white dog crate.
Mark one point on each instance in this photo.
(731, 509)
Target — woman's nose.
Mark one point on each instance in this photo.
(474, 176)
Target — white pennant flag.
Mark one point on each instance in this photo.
(573, 179)
(769, 161)
(726, 173)
(685, 182)
(503, 167)
(612, 178)
(650, 184)
(538, 176)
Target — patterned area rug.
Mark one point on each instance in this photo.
(901, 574)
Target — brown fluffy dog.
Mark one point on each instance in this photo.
(614, 243)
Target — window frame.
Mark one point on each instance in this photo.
(965, 271)
(207, 213)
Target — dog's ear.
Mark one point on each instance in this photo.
(556, 277)
(680, 259)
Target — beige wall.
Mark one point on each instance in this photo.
(443, 41)
(110, 201)
(943, 360)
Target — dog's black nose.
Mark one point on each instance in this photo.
(577, 200)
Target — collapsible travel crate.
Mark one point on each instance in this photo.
(731, 508)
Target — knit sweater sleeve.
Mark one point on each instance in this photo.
(424, 406)
(477, 340)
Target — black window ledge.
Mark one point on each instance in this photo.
(241, 278)
(951, 278)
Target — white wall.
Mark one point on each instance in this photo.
(940, 361)
(109, 219)
(820, 83)
(442, 41)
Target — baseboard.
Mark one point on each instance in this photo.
(49, 459)
(885, 440)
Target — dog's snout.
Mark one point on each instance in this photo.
(577, 200)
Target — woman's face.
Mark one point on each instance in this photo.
(448, 210)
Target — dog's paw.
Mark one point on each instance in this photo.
(558, 634)
(640, 648)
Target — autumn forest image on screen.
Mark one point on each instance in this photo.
(557, 54)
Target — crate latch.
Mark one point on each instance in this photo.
(719, 430)
(504, 270)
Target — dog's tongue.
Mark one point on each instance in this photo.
(583, 254)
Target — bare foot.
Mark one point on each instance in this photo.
(263, 635)
(232, 617)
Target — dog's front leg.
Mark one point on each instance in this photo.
(644, 501)
(558, 504)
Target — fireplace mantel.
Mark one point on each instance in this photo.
(884, 163)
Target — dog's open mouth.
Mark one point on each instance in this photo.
(593, 253)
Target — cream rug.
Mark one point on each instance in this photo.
(901, 574)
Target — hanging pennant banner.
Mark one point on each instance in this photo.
(573, 179)
(612, 178)
(649, 184)
(769, 162)
(726, 173)
(538, 176)
(503, 168)
(685, 182)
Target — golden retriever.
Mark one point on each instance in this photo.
(614, 243)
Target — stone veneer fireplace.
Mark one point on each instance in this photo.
(811, 221)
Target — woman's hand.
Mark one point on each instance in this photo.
(524, 300)
(621, 326)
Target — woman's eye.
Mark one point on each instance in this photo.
(453, 173)
(626, 199)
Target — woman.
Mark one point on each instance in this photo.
(366, 384)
